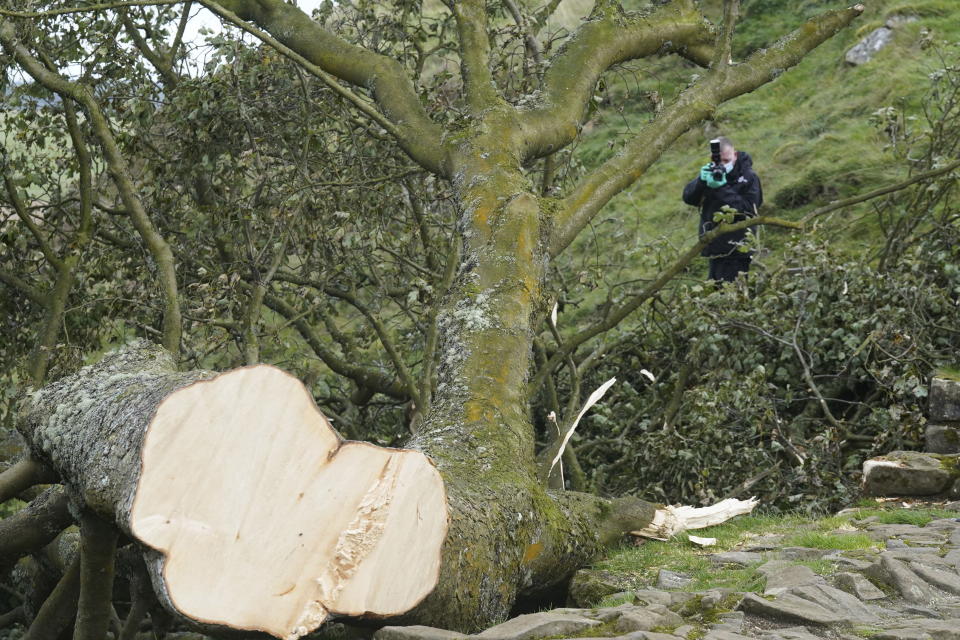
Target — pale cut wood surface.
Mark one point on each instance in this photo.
(269, 521)
(671, 520)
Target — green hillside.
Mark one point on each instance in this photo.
(813, 133)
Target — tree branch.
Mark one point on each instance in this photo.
(65, 268)
(364, 376)
(616, 316)
(60, 607)
(34, 526)
(156, 245)
(321, 52)
(478, 82)
(24, 287)
(24, 474)
(93, 7)
(840, 204)
(571, 79)
(98, 544)
(692, 106)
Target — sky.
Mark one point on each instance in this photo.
(201, 18)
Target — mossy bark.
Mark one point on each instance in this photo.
(509, 536)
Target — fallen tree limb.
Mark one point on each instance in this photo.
(60, 608)
(22, 475)
(256, 515)
(31, 528)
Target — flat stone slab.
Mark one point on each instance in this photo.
(741, 558)
(838, 602)
(944, 400)
(539, 625)
(789, 608)
(790, 633)
(897, 574)
(782, 576)
(858, 586)
(937, 629)
(415, 632)
(908, 473)
(947, 581)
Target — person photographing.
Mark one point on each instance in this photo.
(728, 180)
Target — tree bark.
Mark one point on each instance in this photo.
(253, 513)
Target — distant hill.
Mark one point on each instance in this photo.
(813, 132)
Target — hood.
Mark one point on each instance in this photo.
(744, 160)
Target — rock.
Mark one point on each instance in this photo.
(741, 558)
(953, 558)
(539, 625)
(942, 439)
(859, 586)
(863, 51)
(415, 632)
(647, 635)
(637, 619)
(654, 596)
(947, 581)
(889, 570)
(936, 629)
(923, 556)
(908, 473)
(838, 602)
(590, 586)
(790, 633)
(944, 400)
(732, 621)
(720, 634)
(782, 576)
(789, 608)
(672, 580)
(902, 634)
(800, 553)
(684, 630)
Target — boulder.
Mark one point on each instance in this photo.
(898, 575)
(415, 632)
(909, 473)
(672, 580)
(539, 625)
(781, 575)
(864, 51)
(944, 400)
(859, 586)
(942, 439)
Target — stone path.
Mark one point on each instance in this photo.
(906, 589)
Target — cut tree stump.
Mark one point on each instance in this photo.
(256, 515)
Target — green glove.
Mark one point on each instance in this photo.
(706, 174)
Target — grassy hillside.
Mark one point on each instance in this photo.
(812, 132)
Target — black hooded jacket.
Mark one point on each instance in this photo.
(742, 192)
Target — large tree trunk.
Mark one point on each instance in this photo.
(253, 513)
(185, 470)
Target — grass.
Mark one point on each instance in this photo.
(642, 564)
(810, 132)
(917, 517)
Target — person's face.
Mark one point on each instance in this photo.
(728, 155)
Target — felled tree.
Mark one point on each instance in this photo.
(508, 535)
